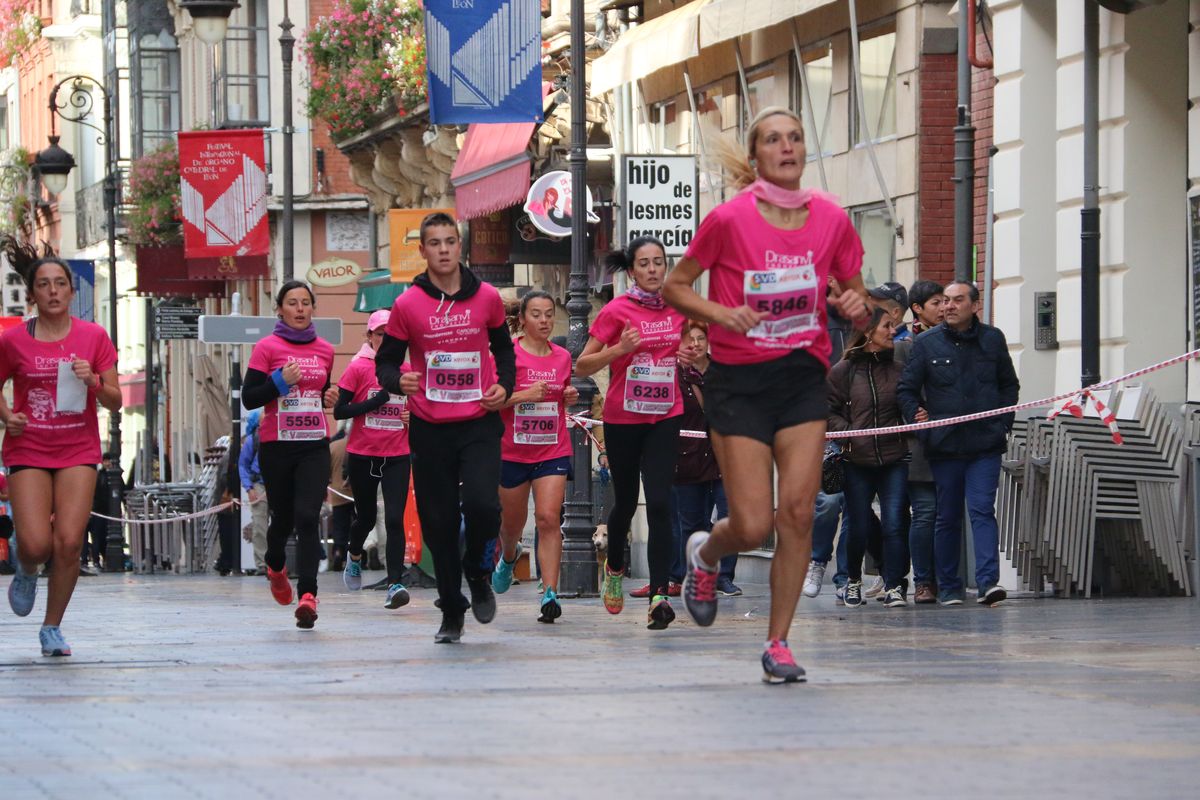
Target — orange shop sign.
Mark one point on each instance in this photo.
(404, 236)
(334, 272)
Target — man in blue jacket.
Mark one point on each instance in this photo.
(960, 367)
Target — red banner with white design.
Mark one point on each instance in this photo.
(223, 193)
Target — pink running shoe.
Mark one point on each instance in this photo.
(306, 611)
(281, 586)
(778, 664)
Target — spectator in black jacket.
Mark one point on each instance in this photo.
(960, 367)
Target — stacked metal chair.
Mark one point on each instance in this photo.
(1082, 495)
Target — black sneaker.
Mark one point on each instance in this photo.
(483, 599)
(992, 596)
(727, 587)
(854, 594)
(452, 627)
(660, 614)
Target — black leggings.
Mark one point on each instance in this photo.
(445, 455)
(366, 474)
(649, 450)
(295, 475)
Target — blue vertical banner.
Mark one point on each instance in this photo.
(83, 304)
(484, 60)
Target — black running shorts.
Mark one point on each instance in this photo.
(758, 400)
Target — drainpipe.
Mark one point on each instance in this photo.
(964, 160)
(1089, 283)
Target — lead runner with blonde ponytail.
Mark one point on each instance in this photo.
(770, 251)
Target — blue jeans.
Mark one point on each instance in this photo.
(694, 504)
(974, 481)
(922, 497)
(890, 484)
(825, 520)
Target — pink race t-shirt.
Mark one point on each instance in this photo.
(783, 273)
(642, 387)
(380, 432)
(298, 416)
(52, 438)
(535, 432)
(448, 344)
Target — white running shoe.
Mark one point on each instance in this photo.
(816, 577)
(876, 588)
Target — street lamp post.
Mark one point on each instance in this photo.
(210, 20)
(54, 164)
(578, 557)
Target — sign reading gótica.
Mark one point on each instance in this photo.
(334, 272)
(661, 199)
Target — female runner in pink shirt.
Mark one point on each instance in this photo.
(376, 454)
(536, 448)
(52, 446)
(288, 377)
(638, 336)
(769, 252)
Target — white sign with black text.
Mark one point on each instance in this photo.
(662, 199)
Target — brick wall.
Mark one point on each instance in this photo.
(982, 83)
(938, 103)
(935, 244)
(337, 166)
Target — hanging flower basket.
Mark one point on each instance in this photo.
(360, 56)
(20, 27)
(155, 217)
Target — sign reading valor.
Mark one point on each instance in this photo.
(662, 199)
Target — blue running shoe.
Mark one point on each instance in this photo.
(502, 575)
(397, 596)
(53, 643)
(550, 609)
(22, 592)
(352, 574)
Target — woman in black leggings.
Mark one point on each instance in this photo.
(288, 376)
(637, 336)
(377, 453)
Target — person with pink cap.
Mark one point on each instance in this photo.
(376, 453)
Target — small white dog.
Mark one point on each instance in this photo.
(600, 545)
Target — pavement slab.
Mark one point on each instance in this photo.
(202, 687)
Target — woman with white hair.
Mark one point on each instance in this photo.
(769, 252)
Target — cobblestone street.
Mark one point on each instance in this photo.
(202, 687)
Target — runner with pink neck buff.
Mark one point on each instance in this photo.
(638, 337)
(770, 251)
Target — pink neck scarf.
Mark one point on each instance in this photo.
(366, 351)
(778, 196)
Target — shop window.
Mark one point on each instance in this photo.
(877, 52)
(242, 70)
(874, 226)
(818, 73)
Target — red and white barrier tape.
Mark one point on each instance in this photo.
(1077, 398)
